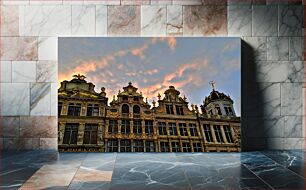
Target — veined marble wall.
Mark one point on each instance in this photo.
(272, 59)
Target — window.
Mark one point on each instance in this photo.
(137, 129)
(179, 110)
(125, 98)
(162, 129)
(125, 126)
(136, 98)
(93, 110)
(183, 129)
(125, 145)
(71, 133)
(90, 134)
(136, 109)
(228, 110)
(150, 146)
(172, 129)
(125, 108)
(207, 133)
(59, 108)
(193, 129)
(218, 134)
(175, 146)
(228, 134)
(197, 147)
(186, 147)
(112, 145)
(169, 109)
(219, 110)
(149, 127)
(164, 146)
(138, 146)
(113, 126)
(74, 109)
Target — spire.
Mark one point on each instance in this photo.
(158, 96)
(79, 76)
(212, 83)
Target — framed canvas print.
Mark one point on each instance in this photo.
(149, 94)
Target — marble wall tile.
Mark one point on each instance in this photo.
(265, 101)
(278, 48)
(28, 144)
(189, 2)
(18, 48)
(83, 20)
(239, 2)
(293, 127)
(214, 2)
(239, 20)
(40, 100)
(296, 48)
(258, 46)
(1, 144)
(135, 2)
(175, 20)
(292, 99)
(9, 127)
(294, 143)
(50, 20)
(290, 20)
(102, 2)
(205, 20)
(5, 71)
(161, 2)
(264, 127)
(46, 2)
(54, 88)
(48, 143)
(153, 20)
(275, 143)
(264, 22)
(47, 48)
(15, 2)
(10, 143)
(123, 20)
(101, 20)
(253, 143)
(46, 71)
(282, 71)
(23, 71)
(38, 127)
(73, 2)
(15, 99)
(9, 21)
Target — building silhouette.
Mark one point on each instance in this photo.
(130, 124)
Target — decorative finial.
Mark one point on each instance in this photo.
(119, 92)
(78, 76)
(196, 108)
(114, 97)
(141, 93)
(146, 100)
(130, 83)
(102, 89)
(184, 98)
(212, 83)
(153, 103)
(158, 96)
(192, 106)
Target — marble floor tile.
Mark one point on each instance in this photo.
(247, 170)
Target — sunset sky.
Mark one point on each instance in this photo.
(153, 64)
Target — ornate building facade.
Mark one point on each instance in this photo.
(130, 124)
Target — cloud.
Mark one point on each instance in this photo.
(171, 41)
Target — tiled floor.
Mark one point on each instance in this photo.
(250, 170)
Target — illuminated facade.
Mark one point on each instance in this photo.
(130, 124)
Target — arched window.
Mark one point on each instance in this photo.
(125, 108)
(136, 109)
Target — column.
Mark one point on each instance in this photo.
(119, 126)
(61, 131)
(106, 145)
(83, 109)
(181, 146)
(188, 131)
(81, 133)
(65, 108)
(144, 145)
(100, 134)
(223, 134)
(119, 141)
(178, 129)
(132, 146)
(156, 146)
(191, 145)
(143, 127)
(106, 126)
(213, 134)
(234, 135)
(170, 146)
